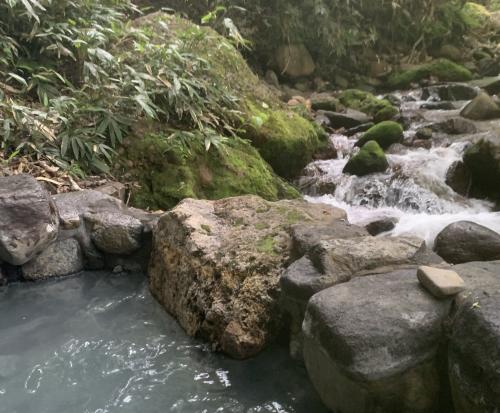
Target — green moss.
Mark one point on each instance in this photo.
(293, 217)
(267, 245)
(168, 171)
(442, 69)
(285, 140)
(380, 109)
(385, 134)
(475, 15)
(370, 159)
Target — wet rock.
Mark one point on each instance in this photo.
(294, 60)
(458, 178)
(370, 159)
(451, 92)
(424, 133)
(482, 160)
(358, 129)
(28, 219)
(114, 232)
(381, 225)
(474, 349)
(465, 241)
(421, 143)
(438, 106)
(63, 257)
(454, 126)
(328, 152)
(385, 134)
(375, 344)
(305, 236)
(324, 101)
(483, 107)
(489, 84)
(439, 282)
(216, 266)
(348, 119)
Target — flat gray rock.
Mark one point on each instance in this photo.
(372, 345)
(63, 257)
(440, 282)
(28, 219)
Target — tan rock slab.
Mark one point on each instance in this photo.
(440, 282)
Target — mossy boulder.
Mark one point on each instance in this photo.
(169, 169)
(286, 139)
(442, 69)
(370, 159)
(379, 109)
(475, 15)
(385, 134)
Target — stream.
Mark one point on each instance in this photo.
(413, 190)
(99, 343)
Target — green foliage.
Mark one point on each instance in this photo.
(442, 69)
(73, 76)
(170, 168)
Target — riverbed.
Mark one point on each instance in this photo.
(99, 343)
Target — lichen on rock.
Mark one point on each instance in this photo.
(223, 284)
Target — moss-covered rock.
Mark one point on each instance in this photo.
(475, 15)
(379, 109)
(385, 134)
(285, 138)
(169, 169)
(370, 159)
(441, 69)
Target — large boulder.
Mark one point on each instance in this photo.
(373, 345)
(295, 60)
(465, 241)
(63, 257)
(216, 266)
(482, 107)
(451, 92)
(337, 256)
(370, 159)
(482, 161)
(385, 134)
(474, 349)
(28, 219)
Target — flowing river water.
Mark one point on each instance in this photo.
(99, 343)
(413, 190)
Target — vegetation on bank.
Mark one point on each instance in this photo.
(75, 79)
